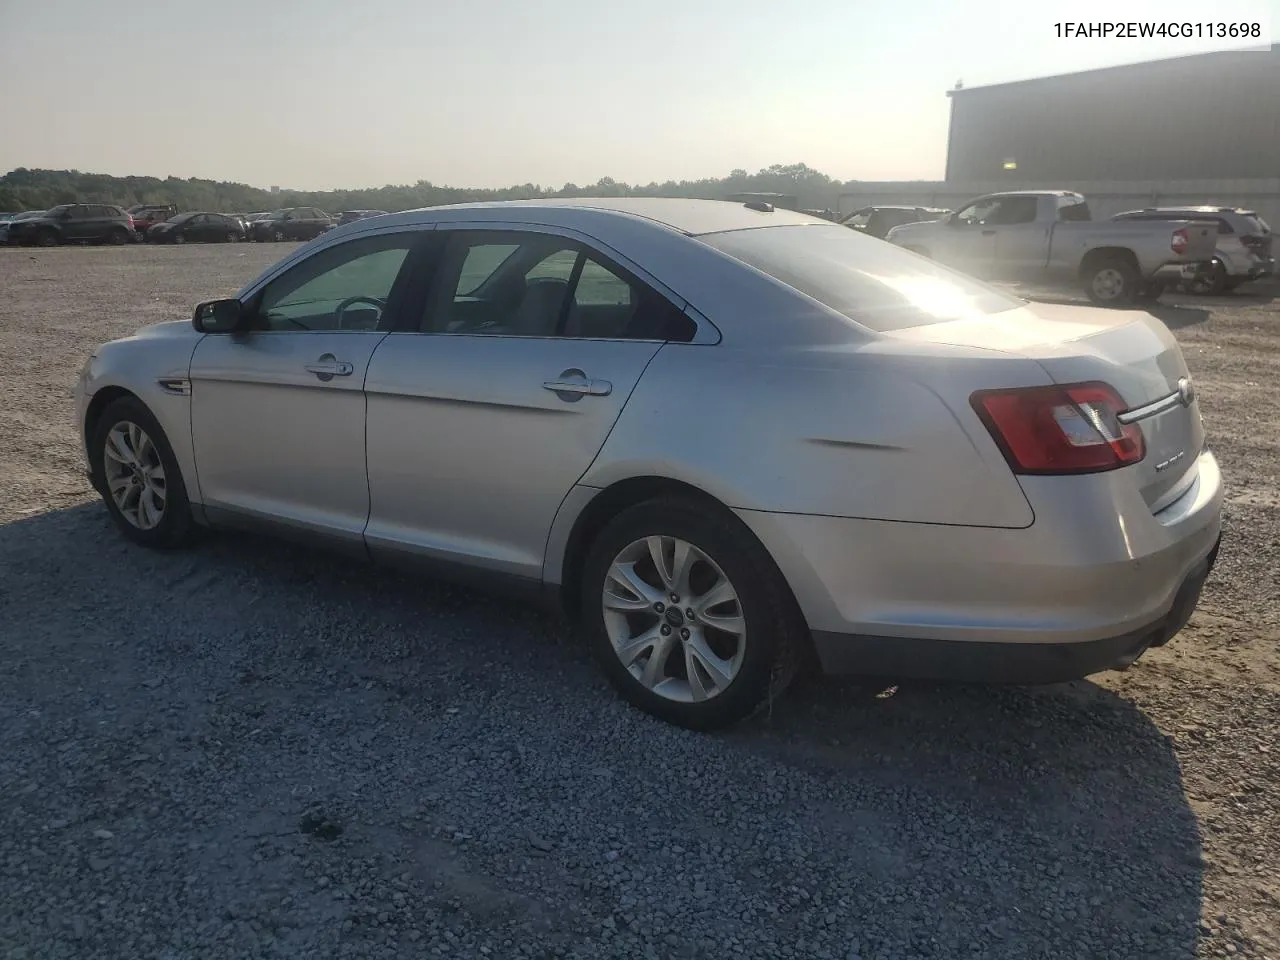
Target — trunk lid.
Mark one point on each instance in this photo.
(1131, 351)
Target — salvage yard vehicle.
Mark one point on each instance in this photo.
(197, 227)
(25, 215)
(722, 438)
(1051, 237)
(147, 215)
(74, 223)
(877, 221)
(291, 223)
(1244, 245)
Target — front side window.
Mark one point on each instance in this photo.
(345, 287)
(539, 285)
(1014, 210)
(871, 282)
(977, 214)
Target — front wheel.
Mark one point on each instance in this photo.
(118, 237)
(278, 236)
(688, 615)
(137, 473)
(1112, 282)
(232, 237)
(47, 238)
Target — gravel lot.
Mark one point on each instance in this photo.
(251, 750)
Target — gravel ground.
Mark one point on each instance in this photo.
(251, 750)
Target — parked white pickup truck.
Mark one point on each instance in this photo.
(1051, 237)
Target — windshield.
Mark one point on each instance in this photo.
(869, 281)
(275, 215)
(180, 218)
(55, 211)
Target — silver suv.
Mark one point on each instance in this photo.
(1244, 245)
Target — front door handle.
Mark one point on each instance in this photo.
(328, 367)
(573, 385)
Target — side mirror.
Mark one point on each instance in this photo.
(220, 316)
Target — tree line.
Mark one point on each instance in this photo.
(25, 189)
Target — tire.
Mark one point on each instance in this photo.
(277, 236)
(231, 236)
(1112, 282)
(118, 237)
(48, 238)
(174, 526)
(1210, 284)
(1152, 291)
(754, 668)
(178, 237)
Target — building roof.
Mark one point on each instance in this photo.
(1143, 64)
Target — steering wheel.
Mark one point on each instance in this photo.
(341, 308)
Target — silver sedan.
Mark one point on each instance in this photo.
(727, 439)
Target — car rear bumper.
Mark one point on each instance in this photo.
(995, 662)
(1173, 272)
(1055, 600)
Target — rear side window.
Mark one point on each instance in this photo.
(869, 281)
(1074, 211)
(1255, 225)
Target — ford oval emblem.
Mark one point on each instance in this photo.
(1186, 392)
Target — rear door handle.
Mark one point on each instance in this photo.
(574, 385)
(328, 367)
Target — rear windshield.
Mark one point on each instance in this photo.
(871, 282)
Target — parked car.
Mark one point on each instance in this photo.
(590, 400)
(197, 227)
(1051, 237)
(351, 216)
(25, 215)
(1244, 249)
(74, 223)
(877, 221)
(293, 223)
(147, 215)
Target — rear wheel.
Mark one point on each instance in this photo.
(119, 236)
(1112, 281)
(1152, 291)
(688, 614)
(138, 475)
(1210, 282)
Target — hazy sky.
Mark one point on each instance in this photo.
(316, 94)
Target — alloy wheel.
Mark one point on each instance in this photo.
(674, 619)
(134, 475)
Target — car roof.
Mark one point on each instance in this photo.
(690, 217)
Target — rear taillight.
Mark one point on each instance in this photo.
(1253, 243)
(1180, 240)
(1060, 429)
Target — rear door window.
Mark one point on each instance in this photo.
(871, 282)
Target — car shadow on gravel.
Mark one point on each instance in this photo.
(470, 736)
